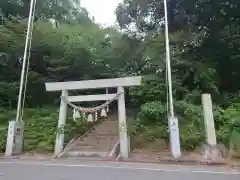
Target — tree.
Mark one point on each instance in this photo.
(63, 10)
(208, 47)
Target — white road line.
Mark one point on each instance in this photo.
(125, 167)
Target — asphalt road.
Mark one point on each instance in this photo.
(79, 170)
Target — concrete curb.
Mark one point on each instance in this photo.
(26, 158)
(9, 157)
(181, 162)
(120, 159)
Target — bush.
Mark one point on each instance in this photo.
(228, 131)
(40, 129)
(152, 123)
(3, 135)
(153, 112)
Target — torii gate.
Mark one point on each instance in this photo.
(118, 83)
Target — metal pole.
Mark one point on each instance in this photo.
(172, 121)
(24, 60)
(168, 63)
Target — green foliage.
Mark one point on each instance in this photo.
(64, 10)
(147, 92)
(231, 116)
(57, 55)
(152, 123)
(40, 129)
(152, 112)
(228, 131)
(204, 49)
(3, 134)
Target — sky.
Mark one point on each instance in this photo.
(102, 10)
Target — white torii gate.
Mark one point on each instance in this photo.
(118, 83)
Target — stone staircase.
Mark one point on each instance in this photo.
(101, 141)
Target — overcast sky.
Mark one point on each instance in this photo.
(102, 10)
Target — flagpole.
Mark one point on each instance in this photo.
(168, 61)
(14, 141)
(172, 120)
(20, 95)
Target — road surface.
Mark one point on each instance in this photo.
(84, 170)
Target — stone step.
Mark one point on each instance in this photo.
(87, 154)
(100, 146)
(99, 135)
(90, 148)
(97, 142)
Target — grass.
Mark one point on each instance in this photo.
(40, 128)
